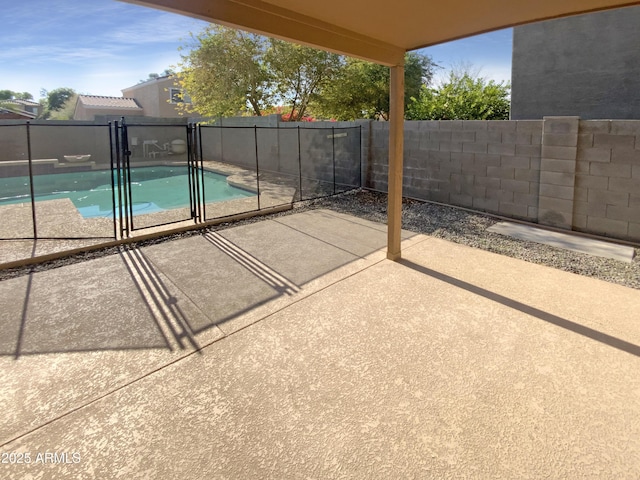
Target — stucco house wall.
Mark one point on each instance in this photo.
(154, 96)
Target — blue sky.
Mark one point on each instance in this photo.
(99, 47)
(488, 55)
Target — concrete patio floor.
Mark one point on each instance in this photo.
(291, 348)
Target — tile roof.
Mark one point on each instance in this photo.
(6, 113)
(19, 101)
(113, 102)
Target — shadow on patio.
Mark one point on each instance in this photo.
(165, 295)
(453, 362)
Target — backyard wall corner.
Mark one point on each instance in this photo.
(581, 175)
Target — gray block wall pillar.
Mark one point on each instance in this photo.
(557, 171)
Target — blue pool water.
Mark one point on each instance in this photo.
(153, 189)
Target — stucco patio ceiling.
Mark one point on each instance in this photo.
(377, 30)
(380, 31)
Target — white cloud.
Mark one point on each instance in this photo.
(95, 47)
(163, 28)
(47, 54)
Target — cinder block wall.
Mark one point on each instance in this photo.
(492, 166)
(561, 171)
(54, 139)
(575, 174)
(320, 144)
(607, 182)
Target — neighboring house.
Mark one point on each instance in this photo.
(586, 66)
(28, 106)
(16, 109)
(158, 97)
(6, 114)
(88, 106)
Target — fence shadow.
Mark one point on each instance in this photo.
(165, 296)
(171, 320)
(119, 302)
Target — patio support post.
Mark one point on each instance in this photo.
(396, 141)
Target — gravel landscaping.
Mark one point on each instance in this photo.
(461, 226)
(440, 221)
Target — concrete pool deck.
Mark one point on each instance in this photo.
(291, 348)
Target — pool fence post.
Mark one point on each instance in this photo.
(360, 156)
(113, 186)
(255, 139)
(33, 197)
(333, 156)
(204, 205)
(119, 172)
(196, 172)
(127, 159)
(190, 179)
(299, 163)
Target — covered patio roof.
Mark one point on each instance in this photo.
(380, 31)
(377, 30)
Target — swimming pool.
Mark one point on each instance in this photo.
(153, 189)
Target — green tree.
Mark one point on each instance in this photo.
(462, 97)
(7, 97)
(300, 74)
(67, 110)
(230, 72)
(361, 89)
(43, 109)
(8, 105)
(56, 99)
(11, 95)
(152, 76)
(225, 74)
